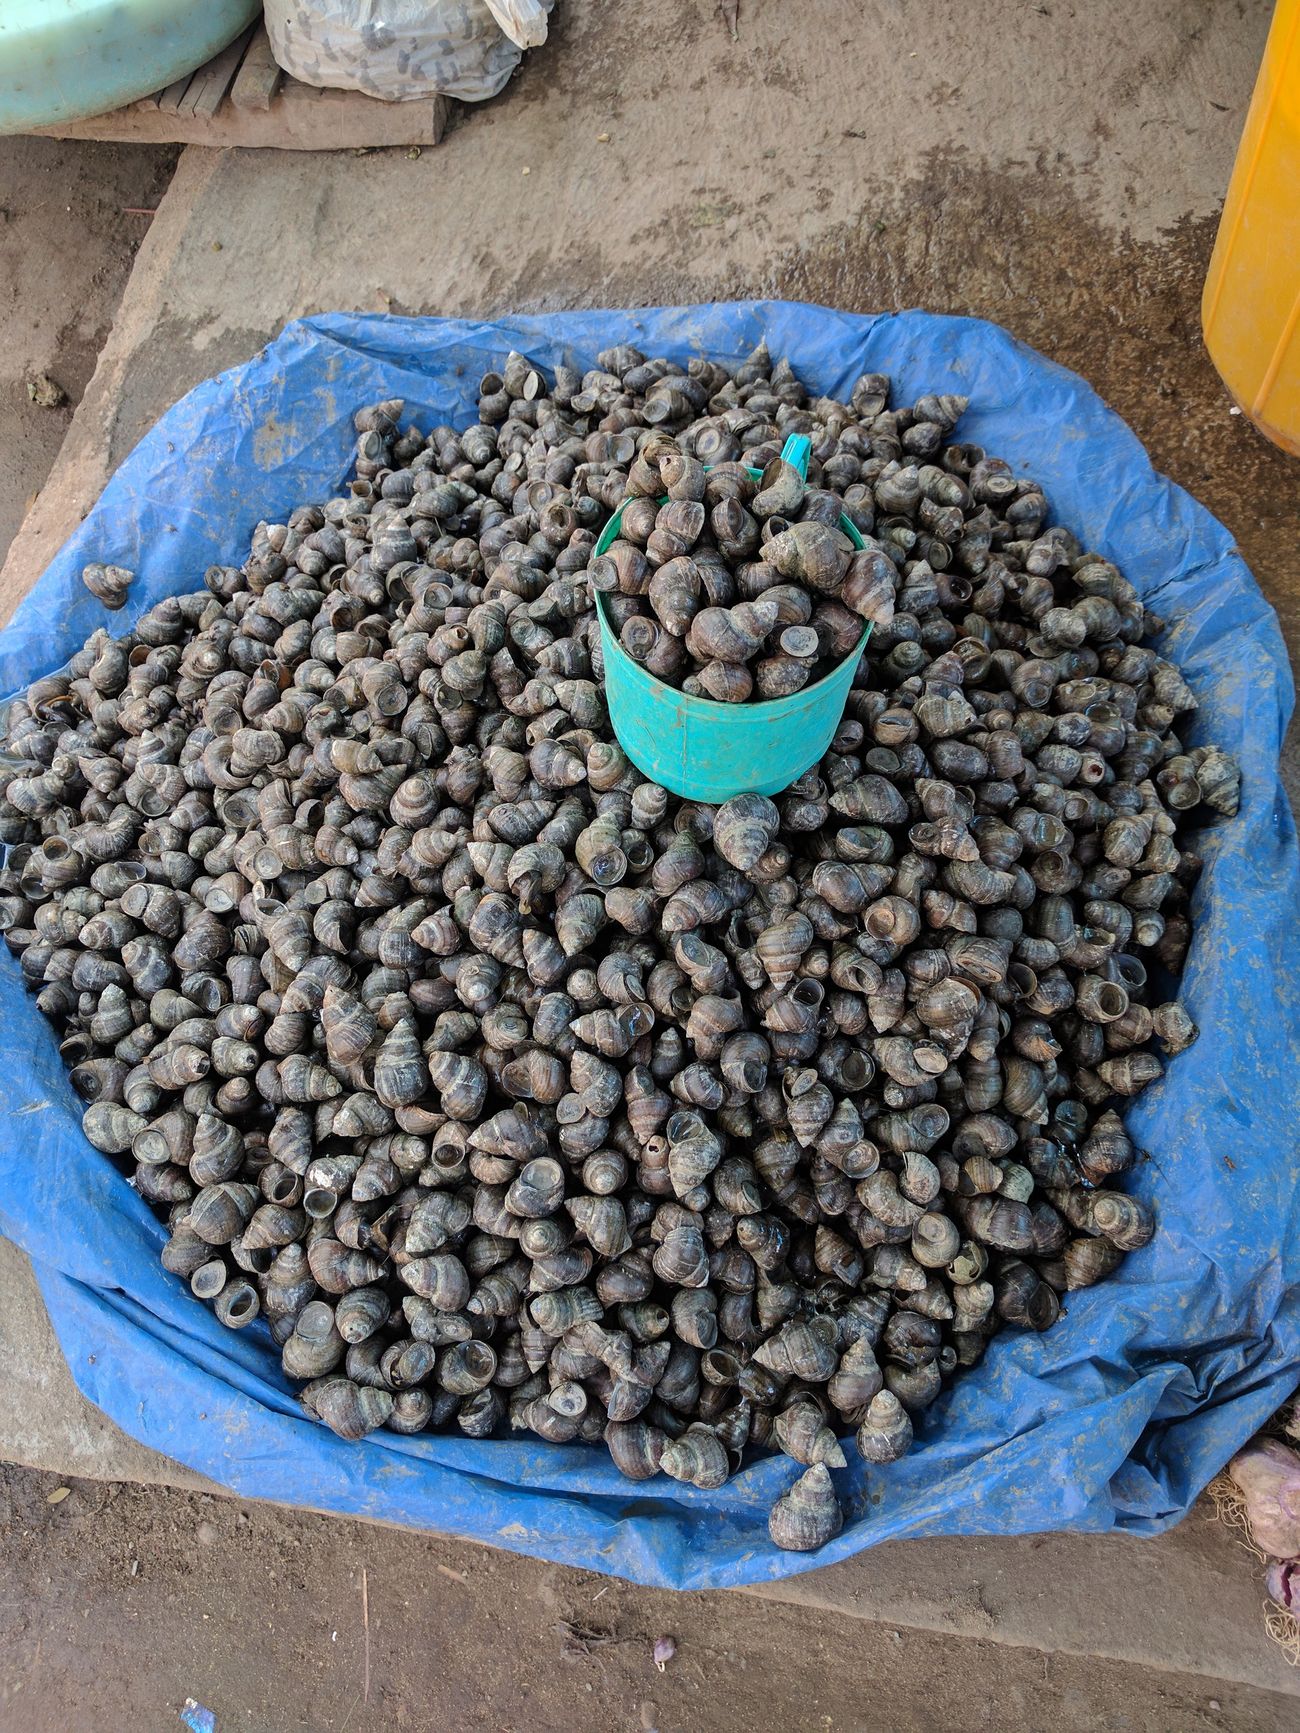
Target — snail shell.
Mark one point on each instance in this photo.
(809, 1515)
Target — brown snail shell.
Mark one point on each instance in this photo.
(460, 1082)
(112, 1128)
(637, 1448)
(1108, 1150)
(1124, 1220)
(694, 1151)
(360, 1313)
(348, 1409)
(108, 584)
(677, 527)
(675, 592)
(801, 1433)
(999, 1222)
(337, 1267)
(885, 1432)
(744, 829)
(731, 634)
(1174, 1029)
(467, 1367)
(725, 682)
(809, 1515)
(802, 1349)
(400, 1072)
(1130, 1073)
(563, 1309)
(697, 1457)
(602, 1221)
(811, 552)
(1089, 1260)
(315, 1346)
(538, 1190)
(694, 1317)
(856, 1380)
(412, 1411)
(1023, 1298)
(781, 947)
(237, 1304)
(219, 1212)
(681, 1259)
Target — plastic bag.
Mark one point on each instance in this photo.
(401, 50)
(1117, 1416)
(524, 21)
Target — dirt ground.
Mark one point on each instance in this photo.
(133, 1600)
(71, 219)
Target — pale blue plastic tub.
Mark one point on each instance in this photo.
(66, 59)
(708, 751)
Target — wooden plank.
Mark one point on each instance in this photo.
(170, 99)
(258, 77)
(347, 121)
(211, 82)
(441, 106)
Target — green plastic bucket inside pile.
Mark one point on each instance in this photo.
(708, 751)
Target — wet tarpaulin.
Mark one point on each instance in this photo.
(1113, 1419)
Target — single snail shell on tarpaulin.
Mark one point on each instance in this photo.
(808, 1515)
(885, 1432)
(108, 584)
(1174, 1029)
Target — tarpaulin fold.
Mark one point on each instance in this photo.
(1116, 1417)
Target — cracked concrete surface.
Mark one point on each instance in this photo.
(70, 223)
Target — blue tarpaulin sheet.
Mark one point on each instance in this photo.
(1116, 1417)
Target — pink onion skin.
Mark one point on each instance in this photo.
(1283, 1584)
(1268, 1476)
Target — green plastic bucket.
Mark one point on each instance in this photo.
(708, 751)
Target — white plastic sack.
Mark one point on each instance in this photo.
(524, 21)
(401, 50)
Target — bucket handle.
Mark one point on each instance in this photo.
(797, 450)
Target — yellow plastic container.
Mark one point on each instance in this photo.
(1250, 310)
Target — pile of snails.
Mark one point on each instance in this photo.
(735, 585)
(509, 1090)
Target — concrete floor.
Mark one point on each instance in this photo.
(1057, 168)
(70, 224)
